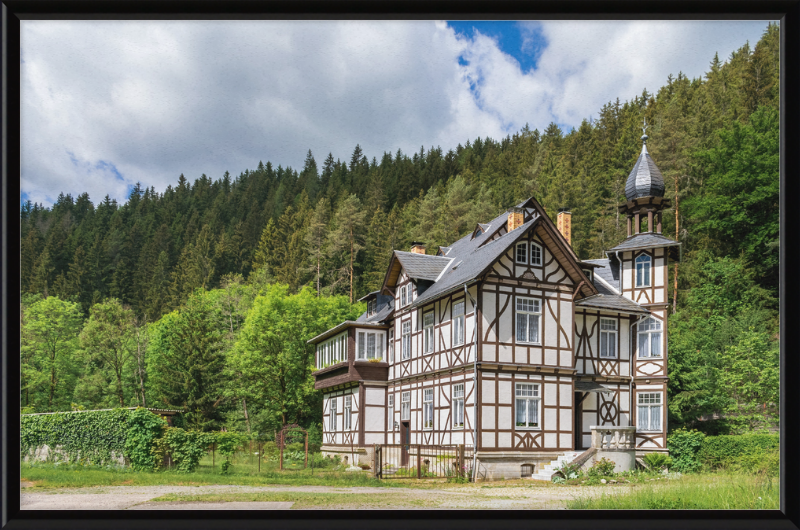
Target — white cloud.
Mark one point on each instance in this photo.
(156, 99)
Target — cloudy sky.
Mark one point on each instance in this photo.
(107, 104)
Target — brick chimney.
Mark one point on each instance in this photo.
(417, 247)
(564, 224)
(515, 218)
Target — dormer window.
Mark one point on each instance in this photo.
(588, 273)
(643, 271)
(372, 307)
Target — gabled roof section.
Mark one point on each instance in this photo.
(417, 266)
(443, 251)
(471, 258)
(606, 275)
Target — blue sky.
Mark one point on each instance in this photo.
(108, 103)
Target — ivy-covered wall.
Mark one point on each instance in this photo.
(92, 437)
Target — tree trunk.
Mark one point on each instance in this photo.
(246, 417)
(52, 381)
(119, 388)
(139, 356)
(351, 265)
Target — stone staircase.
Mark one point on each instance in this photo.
(547, 470)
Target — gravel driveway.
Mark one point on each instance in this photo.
(468, 496)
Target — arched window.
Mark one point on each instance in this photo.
(643, 271)
(650, 338)
(536, 254)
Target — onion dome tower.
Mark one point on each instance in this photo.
(644, 192)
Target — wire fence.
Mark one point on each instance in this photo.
(394, 461)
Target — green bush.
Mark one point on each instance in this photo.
(602, 468)
(185, 447)
(295, 447)
(657, 461)
(227, 444)
(684, 447)
(734, 451)
(83, 437)
(144, 428)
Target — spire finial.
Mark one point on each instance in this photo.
(644, 131)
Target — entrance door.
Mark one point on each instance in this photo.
(578, 400)
(405, 439)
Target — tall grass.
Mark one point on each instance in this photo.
(48, 475)
(709, 491)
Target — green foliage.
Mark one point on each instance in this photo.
(186, 448)
(726, 451)
(657, 461)
(144, 428)
(94, 437)
(227, 443)
(684, 447)
(602, 468)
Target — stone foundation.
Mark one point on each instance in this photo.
(507, 465)
(353, 456)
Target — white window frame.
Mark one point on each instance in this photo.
(390, 406)
(649, 407)
(521, 248)
(406, 340)
(361, 351)
(405, 406)
(539, 254)
(403, 296)
(427, 330)
(391, 345)
(648, 333)
(459, 320)
(530, 315)
(332, 418)
(427, 408)
(458, 406)
(348, 413)
(529, 396)
(608, 338)
(643, 267)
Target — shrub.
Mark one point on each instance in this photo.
(270, 450)
(569, 471)
(602, 468)
(657, 461)
(185, 447)
(227, 443)
(295, 447)
(730, 450)
(684, 447)
(144, 428)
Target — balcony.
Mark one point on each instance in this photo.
(349, 372)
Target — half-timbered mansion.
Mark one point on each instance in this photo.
(507, 342)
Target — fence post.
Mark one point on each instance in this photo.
(420, 462)
(213, 462)
(259, 456)
(461, 463)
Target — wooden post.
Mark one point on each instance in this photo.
(213, 460)
(637, 223)
(460, 459)
(419, 461)
(375, 460)
(649, 220)
(306, 449)
(260, 447)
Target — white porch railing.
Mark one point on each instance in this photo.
(613, 437)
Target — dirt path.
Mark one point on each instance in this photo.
(304, 497)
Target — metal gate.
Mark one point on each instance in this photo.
(422, 461)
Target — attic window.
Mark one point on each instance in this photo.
(372, 307)
(588, 274)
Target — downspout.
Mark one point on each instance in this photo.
(474, 386)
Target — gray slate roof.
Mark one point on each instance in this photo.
(608, 270)
(385, 308)
(613, 302)
(422, 266)
(645, 180)
(470, 259)
(644, 240)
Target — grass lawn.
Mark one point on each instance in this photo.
(303, 500)
(706, 491)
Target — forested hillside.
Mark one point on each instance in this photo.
(122, 301)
